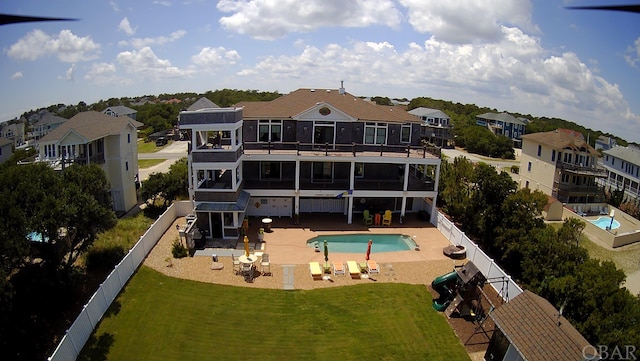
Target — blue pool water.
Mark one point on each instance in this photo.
(604, 222)
(35, 237)
(357, 243)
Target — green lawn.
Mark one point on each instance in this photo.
(149, 147)
(147, 163)
(159, 317)
(126, 233)
(625, 258)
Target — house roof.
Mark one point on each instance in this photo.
(560, 139)
(628, 154)
(202, 103)
(533, 326)
(50, 118)
(90, 125)
(290, 105)
(121, 110)
(503, 117)
(428, 112)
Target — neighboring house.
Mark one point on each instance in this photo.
(503, 124)
(310, 151)
(553, 210)
(605, 143)
(562, 164)
(121, 111)
(623, 169)
(202, 103)
(6, 149)
(436, 126)
(529, 328)
(45, 124)
(14, 131)
(93, 137)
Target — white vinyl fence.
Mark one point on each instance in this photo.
(77, 335)
(92, 312)
(499, 279)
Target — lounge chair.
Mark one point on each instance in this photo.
(265, 265)
(316, 270)
(373, 267)
(367, 218)
(604, 211)
(354, 269)
(338, 268)
(580, 212)
(386, 219)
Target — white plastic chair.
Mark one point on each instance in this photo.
(265, 265)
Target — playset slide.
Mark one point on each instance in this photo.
(441, 284)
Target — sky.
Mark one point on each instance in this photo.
(531, 57)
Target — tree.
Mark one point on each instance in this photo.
(455, 189)
(166, 186)
(87, 213)
(489, 192)
(521, 216)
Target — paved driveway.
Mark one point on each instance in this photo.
(172, 153)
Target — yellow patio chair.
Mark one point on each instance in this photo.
(386, 219)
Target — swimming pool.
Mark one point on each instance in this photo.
(604, 222)
(357, 243)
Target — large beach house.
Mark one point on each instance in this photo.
(562, 164)
(310, 151)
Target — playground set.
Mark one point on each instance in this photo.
(461, 292)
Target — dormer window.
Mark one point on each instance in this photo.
(324, 111)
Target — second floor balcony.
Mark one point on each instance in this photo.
(353, 149)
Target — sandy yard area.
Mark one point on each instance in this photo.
(287, 247)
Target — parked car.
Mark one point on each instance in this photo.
(161, 141)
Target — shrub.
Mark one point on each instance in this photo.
(178, 250)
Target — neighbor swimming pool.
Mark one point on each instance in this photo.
(604, 222)
(357, 243)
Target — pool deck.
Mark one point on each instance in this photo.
(287, 243)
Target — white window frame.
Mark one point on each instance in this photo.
(270, 125)
(402, 132)
(377, 127)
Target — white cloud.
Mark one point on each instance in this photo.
(272, 19)
(468, 21)
(140, 43)
(632, 55)
(114, 6)
(105, 74)
(66, 46)
(145, 63)
(215, 57)
(69, 74)
(515, 74)
(163, 3)
(16, 75)
(126, 27)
